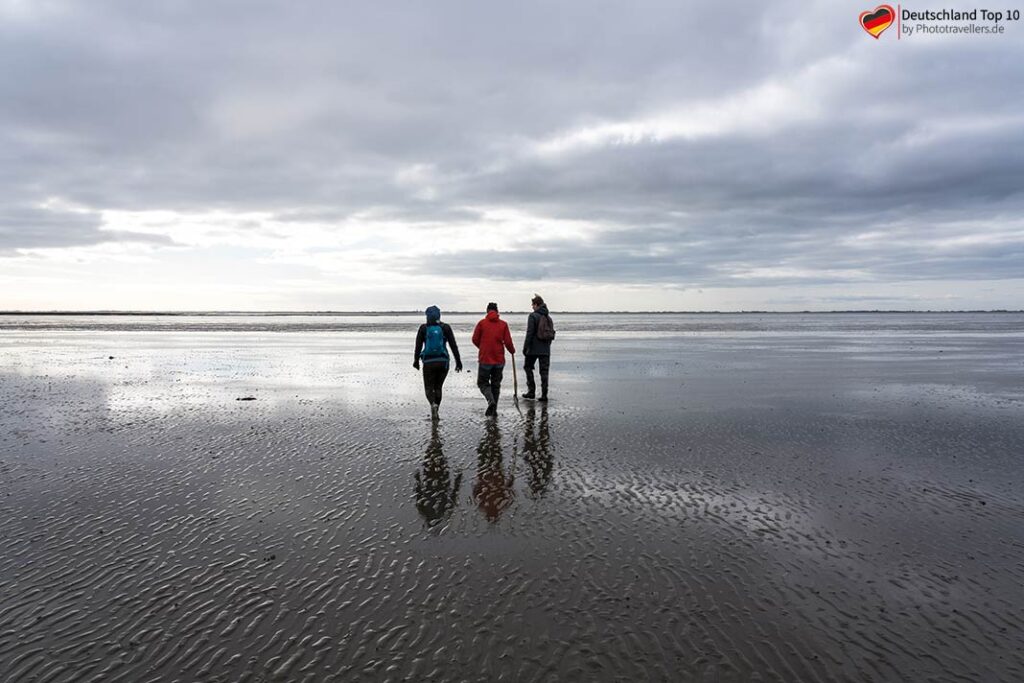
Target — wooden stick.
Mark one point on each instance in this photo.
(515, 384)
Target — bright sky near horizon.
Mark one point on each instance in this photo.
(633, 156)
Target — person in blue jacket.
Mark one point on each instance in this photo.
(431, 340)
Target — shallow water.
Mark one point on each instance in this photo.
(707, 497)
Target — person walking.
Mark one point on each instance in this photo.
(492, 337)
(430, 348)
(540, 332)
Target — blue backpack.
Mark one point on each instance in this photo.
(434, 349)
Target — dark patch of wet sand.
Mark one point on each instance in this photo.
(800, 506)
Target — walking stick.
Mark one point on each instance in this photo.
(515, 385)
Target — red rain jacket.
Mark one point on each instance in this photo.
(492, 337)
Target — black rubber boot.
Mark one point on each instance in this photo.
(529, 394)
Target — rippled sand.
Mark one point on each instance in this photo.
(713, 498)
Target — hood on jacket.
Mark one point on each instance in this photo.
(542, 309)
(492, 316)
(433, 314)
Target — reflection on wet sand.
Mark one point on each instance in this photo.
(492, 490)
(436, 491)
(537, 452)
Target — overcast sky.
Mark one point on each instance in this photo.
(382, 155)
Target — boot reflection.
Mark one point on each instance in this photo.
(492, 491)
(436, 492)
(537, 451)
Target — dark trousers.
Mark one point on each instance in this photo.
(545, 365)
(488, 379)
(433, 380)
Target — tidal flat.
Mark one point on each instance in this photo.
(712, 497)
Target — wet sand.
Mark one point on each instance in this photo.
(722, 498)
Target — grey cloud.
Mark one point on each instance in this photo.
(691, 259)
(311, 112)
(34, 227)
(133, 91)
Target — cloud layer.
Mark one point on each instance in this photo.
(756, 153)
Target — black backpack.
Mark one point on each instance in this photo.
(545, 329)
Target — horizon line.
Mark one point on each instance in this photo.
(168, 313)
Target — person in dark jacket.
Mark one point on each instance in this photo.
(431, 340)
(537, 350)
(492, 337)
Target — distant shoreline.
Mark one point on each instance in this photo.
(417, 312)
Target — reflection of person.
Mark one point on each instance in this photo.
(492, 337)
(435, 491)
(430, 348)
(540, 332)
(537, 450)
(493, 488)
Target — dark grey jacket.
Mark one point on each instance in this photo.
(534, 346)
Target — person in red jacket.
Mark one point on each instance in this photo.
(492, 337)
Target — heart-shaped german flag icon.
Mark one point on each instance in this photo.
(877, 20)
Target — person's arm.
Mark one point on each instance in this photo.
(449, 336)
(476, 335)
(531, 332)
(508, 340)
(421, 337)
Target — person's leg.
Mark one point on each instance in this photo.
(428, 382)
(496, 381)
(433, 377)
(442, 373)
(531, 384)
(483, 382)
(545, 366)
